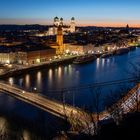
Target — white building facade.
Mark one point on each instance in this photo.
(79, 49)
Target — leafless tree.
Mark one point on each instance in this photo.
(113, 103)
(135, 72)
(94, 116)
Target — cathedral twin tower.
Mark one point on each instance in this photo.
(67, 28)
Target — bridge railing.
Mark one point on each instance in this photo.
(42, 95)
(73, 93)
(127, 103)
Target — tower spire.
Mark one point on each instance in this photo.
(72, 25)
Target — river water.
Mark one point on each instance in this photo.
(47, 81)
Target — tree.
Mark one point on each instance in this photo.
(135, 72)
(115, 103)
(94, 117)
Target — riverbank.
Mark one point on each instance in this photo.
(21, 69)
(25, 69)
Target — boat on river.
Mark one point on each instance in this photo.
(122, 51)
(84, 59)
(131, 48)
(106, 55)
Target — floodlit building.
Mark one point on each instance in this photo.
(79, 48)
(7, 55)
(37, 56)
(66, 28)
(25, 54)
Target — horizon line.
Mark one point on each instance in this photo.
(79, 22)
(80, 25)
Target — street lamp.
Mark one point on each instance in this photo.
(35, 88)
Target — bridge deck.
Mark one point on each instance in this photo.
(53, 107)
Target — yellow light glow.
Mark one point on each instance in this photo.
(67, 51)
(11, 81)
(38, 60)
(7, 61)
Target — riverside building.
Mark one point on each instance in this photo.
(25, 54)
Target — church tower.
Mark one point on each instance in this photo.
(61, 21)
(59, 40)
(56, 21)
(72, 25)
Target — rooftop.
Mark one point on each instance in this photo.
(26, 47)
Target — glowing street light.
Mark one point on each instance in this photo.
(35, 88)
(38, 60)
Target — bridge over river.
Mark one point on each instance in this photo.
(63, 110)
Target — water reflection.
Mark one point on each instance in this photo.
(11, 80)
(103, 62)
(50, 75)
(77, 74)
(65, 69)
(97, 63)
(6, 128)
(3, 125)
(108, 61)
(26, 135)
(55, 72)
(70, 70)
(27, 80)
(59, 73)
(21, 82)
(39, 79)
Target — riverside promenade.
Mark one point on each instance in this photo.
(20, 69)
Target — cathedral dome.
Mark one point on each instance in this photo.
(61, 19)
(72, 18)
(56, 18)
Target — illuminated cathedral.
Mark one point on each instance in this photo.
(59, 29)
(65, 28)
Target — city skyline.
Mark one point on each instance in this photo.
(86, 13)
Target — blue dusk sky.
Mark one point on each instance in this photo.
(86, 12)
